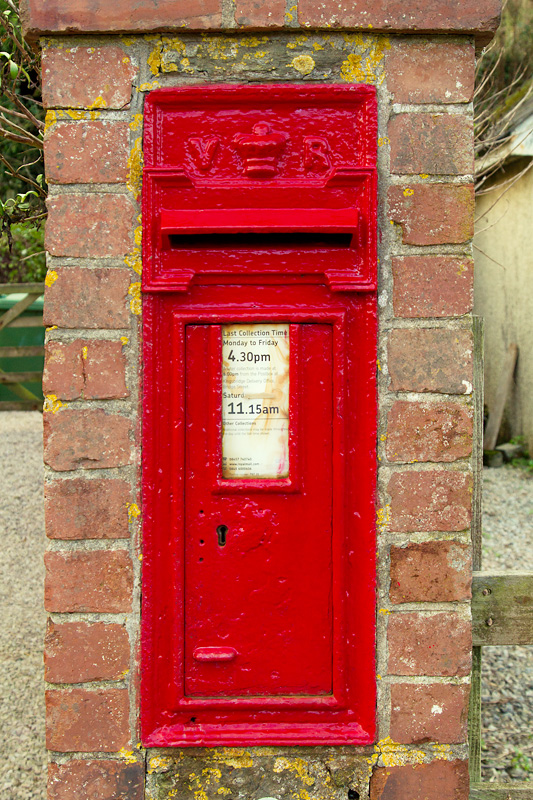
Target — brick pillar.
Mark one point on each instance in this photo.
(94, 86)
(91, 447)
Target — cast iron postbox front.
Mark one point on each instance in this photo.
(259, 256)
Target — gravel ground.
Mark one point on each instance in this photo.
(22, 766)
(507, 712)
(507, 672)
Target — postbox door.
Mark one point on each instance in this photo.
(258, 551)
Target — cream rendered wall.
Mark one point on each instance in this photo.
(503, 293)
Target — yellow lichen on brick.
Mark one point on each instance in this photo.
(98, 103)
(135, 166)
(133, 511)
(383, 140)
(394, 754)
(174, 43)
(49, 120)
(218, 49)
(51, 403)
(297, 765)
(408, 192)
(366, 66)
(124, 340)
(228, 49)
(77, 114)
(127, 755)
(252, 41)
(303, 64)
(147, 87)
(291, 13)
(195, 786)
(137, 123)
(159, 762)
(207, 780)
(134, 259)
(154, 59)
(84, 352)
(383, 518)
(135, 293)
(233, 757)
(51, 277)
(298, 41)
(442, 752)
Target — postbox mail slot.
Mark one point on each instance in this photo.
(225, 221)
(269, 241)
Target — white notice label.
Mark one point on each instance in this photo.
(255, 400)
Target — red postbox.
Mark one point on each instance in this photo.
(259, 253)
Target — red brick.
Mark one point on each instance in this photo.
(431, 360)
(87, 509)
(96, 581)
(421, 71)
(406, 16)
(87, 152)
(83, 77)
(423, 713)
(440, 780)
(430, 572)
(89, 439)
(429, 431)
(104, 369)
(80, 720)
(429, 644)
(436, 144)
(433, 500)
(63, 370)
(75, 652)
(100, 16)
(90, 225)
(433, 286)
(88, 298)
(96, 780)
(88, 369)
(433, 213)
(258, 14)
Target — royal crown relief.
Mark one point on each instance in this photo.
(260, 152)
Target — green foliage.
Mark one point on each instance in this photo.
(22, 192)
(521, 761)
(510, 51)
(525, 461)
(24, 262)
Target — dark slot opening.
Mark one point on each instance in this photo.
(259, 241)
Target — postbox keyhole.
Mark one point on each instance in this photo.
(221, 533)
